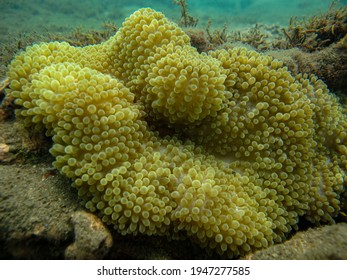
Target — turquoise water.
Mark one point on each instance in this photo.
(64, 15)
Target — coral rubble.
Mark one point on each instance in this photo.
(254, 148)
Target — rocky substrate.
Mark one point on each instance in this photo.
(41, 218)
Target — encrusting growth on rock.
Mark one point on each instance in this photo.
(255, 148)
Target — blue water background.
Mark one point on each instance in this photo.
(65, 15)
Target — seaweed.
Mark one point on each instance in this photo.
(186, 19)
(317, 32)
(254, 37)
(218, 37)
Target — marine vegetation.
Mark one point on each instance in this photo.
(186, 19)
(317, 32)
(245, 149)
(309, 34)
(218, 37)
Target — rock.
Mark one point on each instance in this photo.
(198, 39)
(19, 145)
(6, 102)
(4, 82)
(4, 149)
(92, 238)
(324, 243)
(36, 204)
(328, 64)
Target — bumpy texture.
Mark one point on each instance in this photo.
(254, 148)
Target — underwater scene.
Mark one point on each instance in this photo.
(173, 129)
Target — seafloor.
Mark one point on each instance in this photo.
(40, 215)
(65, 15)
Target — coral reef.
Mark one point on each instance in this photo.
(254, 148)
